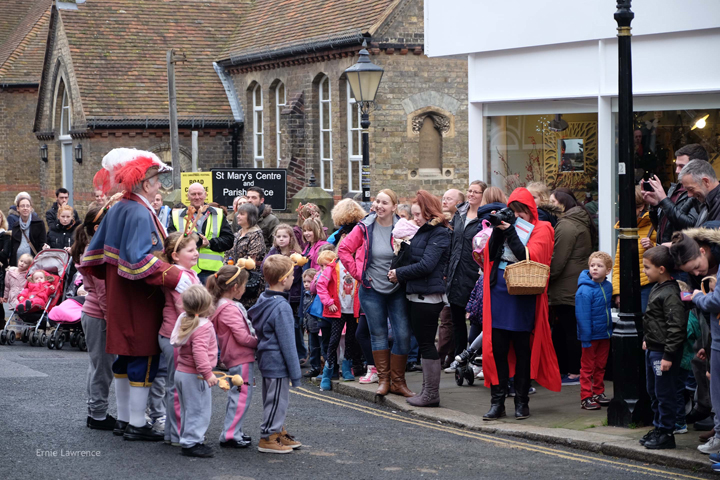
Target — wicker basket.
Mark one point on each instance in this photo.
(526, 277)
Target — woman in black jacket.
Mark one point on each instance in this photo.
(61, 233)
(425, 289)
(462, 272)
(28, 235)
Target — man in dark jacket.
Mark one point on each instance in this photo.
(266, 220)
(675, 210)
(62, 197)
(699, 179)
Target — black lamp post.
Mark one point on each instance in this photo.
(78, 153)
(44, 153)
(629, 403)
(364, 78)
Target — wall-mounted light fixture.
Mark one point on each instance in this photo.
(44, 153)
(78, 153)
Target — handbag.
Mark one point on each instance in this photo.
(316, 307)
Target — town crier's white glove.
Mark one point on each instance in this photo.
(184, 283)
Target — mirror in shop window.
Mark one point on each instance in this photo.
(571, 156)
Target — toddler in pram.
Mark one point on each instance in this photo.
(36, 294)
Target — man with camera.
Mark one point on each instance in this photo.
(675, 210)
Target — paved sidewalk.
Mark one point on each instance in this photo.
(555, 418)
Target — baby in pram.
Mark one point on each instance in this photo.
(36, 294)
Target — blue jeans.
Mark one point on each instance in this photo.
(378, 307)
(663, 390)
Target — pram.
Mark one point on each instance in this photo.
(65, 319)
(33, 327)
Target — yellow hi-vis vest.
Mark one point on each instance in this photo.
(209, 260)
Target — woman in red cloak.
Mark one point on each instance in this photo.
(516, 333)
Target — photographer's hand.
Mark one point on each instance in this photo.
(504, 226)
(658, 188)
(650, 198)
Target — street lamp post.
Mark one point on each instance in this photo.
(627, 405)
(364, 78)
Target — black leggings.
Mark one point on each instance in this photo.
(501, 347)
(424, 325)
(460, 333)
(351, 346)
(564, 335)
(362, 335)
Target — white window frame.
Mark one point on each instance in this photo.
(66, 145)
(326, 160)
(258, 132)
(279, 104)
(354, 135)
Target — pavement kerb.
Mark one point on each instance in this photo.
(581, 440)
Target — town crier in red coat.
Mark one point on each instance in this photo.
(121, 253)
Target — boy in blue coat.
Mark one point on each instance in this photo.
(594, 328)
(273, 321)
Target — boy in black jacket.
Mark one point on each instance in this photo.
(665, 325)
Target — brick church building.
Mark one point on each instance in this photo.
(287, 61)
(262, 85)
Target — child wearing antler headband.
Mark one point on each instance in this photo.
(179, 250)
(237, 339)
(285, 243)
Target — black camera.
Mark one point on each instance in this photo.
(505, 215)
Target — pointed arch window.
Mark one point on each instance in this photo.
(326, 160)
(258, 133)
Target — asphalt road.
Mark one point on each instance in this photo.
(42, 425)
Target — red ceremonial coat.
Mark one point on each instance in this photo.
(543, 362)
(121, 253)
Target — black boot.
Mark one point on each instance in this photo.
(497, 403)
(522, 387)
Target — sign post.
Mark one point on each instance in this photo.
(228, 183)
(203, 178)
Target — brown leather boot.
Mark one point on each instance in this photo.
(705, 436)
(382, 365)
(397, 376)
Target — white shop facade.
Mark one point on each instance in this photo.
(532, 60)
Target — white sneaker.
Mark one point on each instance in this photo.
(148, 420)
(371, 376)
(712, 446)
(478, 372)
(452, 367)
(159, 424)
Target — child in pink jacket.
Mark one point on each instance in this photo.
(15, 279)
(182, 252)
(36, 293)
(237, 348)
(194, 337)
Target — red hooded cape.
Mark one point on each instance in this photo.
(543, 362)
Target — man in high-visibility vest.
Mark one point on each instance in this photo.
(216, 236)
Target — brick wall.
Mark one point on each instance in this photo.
(412, 83)
(19, 152)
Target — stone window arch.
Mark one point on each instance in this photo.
(431, 126)
(164, 153)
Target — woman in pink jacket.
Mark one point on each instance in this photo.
(194, 337)
(367, 253)
(182, 252)
(237, 347)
